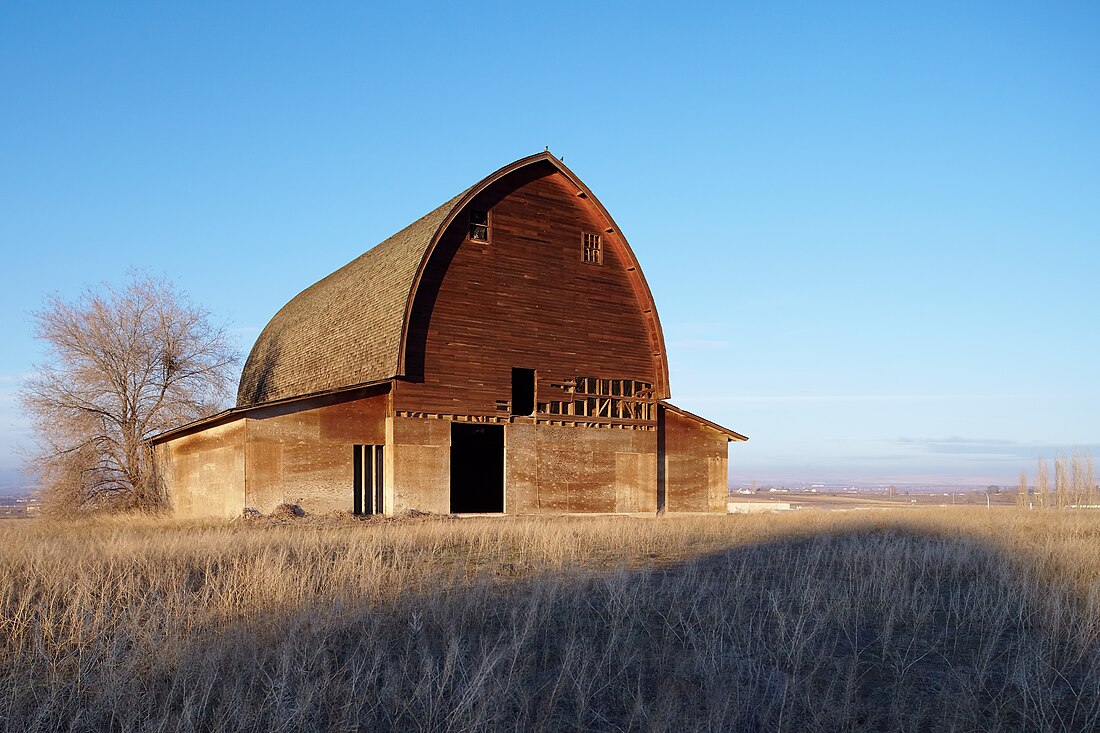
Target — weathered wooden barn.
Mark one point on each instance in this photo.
(501, 354)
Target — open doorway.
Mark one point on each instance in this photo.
(477, 468)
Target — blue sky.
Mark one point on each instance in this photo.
(872, 229)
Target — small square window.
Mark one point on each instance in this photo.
(592, 248)
(479, 225)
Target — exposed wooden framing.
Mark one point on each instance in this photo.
(586, 421)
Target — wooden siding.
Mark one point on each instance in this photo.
(526, 299)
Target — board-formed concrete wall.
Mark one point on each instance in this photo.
(696, 462)
(297, 454)
(204, 473)
(421, 474)
(547, 468)
(305, 456)
(560, 468)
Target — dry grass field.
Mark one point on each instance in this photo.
(927, 619)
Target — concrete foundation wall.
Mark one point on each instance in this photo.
(521, 467)
(546, 467)
(588, 469)
(204, 473)
(299, 454)
(696, 465)
(305, 457)
(421, 464)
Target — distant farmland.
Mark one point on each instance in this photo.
(839, 500)
(18, 506)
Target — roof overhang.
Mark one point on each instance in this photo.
(235, 413)
(731, 435)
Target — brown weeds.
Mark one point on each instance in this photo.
(932, 619)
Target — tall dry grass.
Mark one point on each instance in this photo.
(962, 619)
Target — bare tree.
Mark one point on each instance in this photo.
(1083, 479)
(1061, 480)
(1042, 483)
(1090, 480)
(1021, 490)
(122, 365)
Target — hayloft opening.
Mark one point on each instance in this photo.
(477, 468)
(523, 391)
(367, 468)
(479, 226)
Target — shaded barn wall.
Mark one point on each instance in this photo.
(695, 465)
(204, 473)
(302, 455)
(524, 299)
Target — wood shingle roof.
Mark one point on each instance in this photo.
(349, 328)
(303, 349)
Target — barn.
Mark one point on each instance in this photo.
(502, 354)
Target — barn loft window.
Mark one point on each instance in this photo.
(592, 248)
(367, 467)
(479, 225)
(523, 391)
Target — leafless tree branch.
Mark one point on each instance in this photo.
(122, 365)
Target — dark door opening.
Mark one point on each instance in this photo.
(477, 468)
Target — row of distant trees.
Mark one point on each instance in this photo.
(1074, 483)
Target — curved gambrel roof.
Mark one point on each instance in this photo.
(351, 327)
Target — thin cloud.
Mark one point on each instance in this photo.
(860, 397)
(990, 448)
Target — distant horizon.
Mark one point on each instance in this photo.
(839, 484)
(14, 483)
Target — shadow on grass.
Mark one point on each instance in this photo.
(870, 629)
